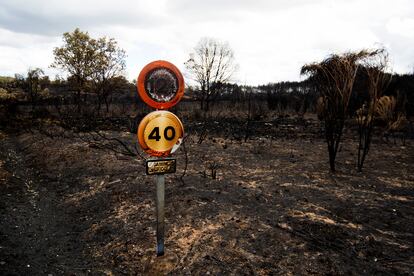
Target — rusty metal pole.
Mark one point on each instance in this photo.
(160, 181)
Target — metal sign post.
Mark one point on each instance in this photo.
(161, 86)
(159, 167)
(160, 182)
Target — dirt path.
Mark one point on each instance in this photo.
(38, 236)
(67, 208)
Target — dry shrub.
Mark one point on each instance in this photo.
(385, 108)
(374, 67)
(395, 120)
(334, 78)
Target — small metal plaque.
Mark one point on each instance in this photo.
(160, 166)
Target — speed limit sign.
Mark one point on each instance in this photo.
(161, 86)
(160, 133)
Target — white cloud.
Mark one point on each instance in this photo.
(271, 39)
(20, 51)
(401, 26)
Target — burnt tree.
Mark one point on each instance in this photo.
(334, 78)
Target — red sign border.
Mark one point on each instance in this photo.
(143, 92)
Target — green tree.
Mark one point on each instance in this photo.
(109, 65)
(76, 57)
(89, 61)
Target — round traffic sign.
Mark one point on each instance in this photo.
(160, 133)
(160, 84)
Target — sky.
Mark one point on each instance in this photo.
(271, 40)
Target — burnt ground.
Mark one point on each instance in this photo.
(274, 208)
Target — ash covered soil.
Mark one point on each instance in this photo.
(69, 208)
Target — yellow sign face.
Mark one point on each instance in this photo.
(160, 133)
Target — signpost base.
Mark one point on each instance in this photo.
(160, 182)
